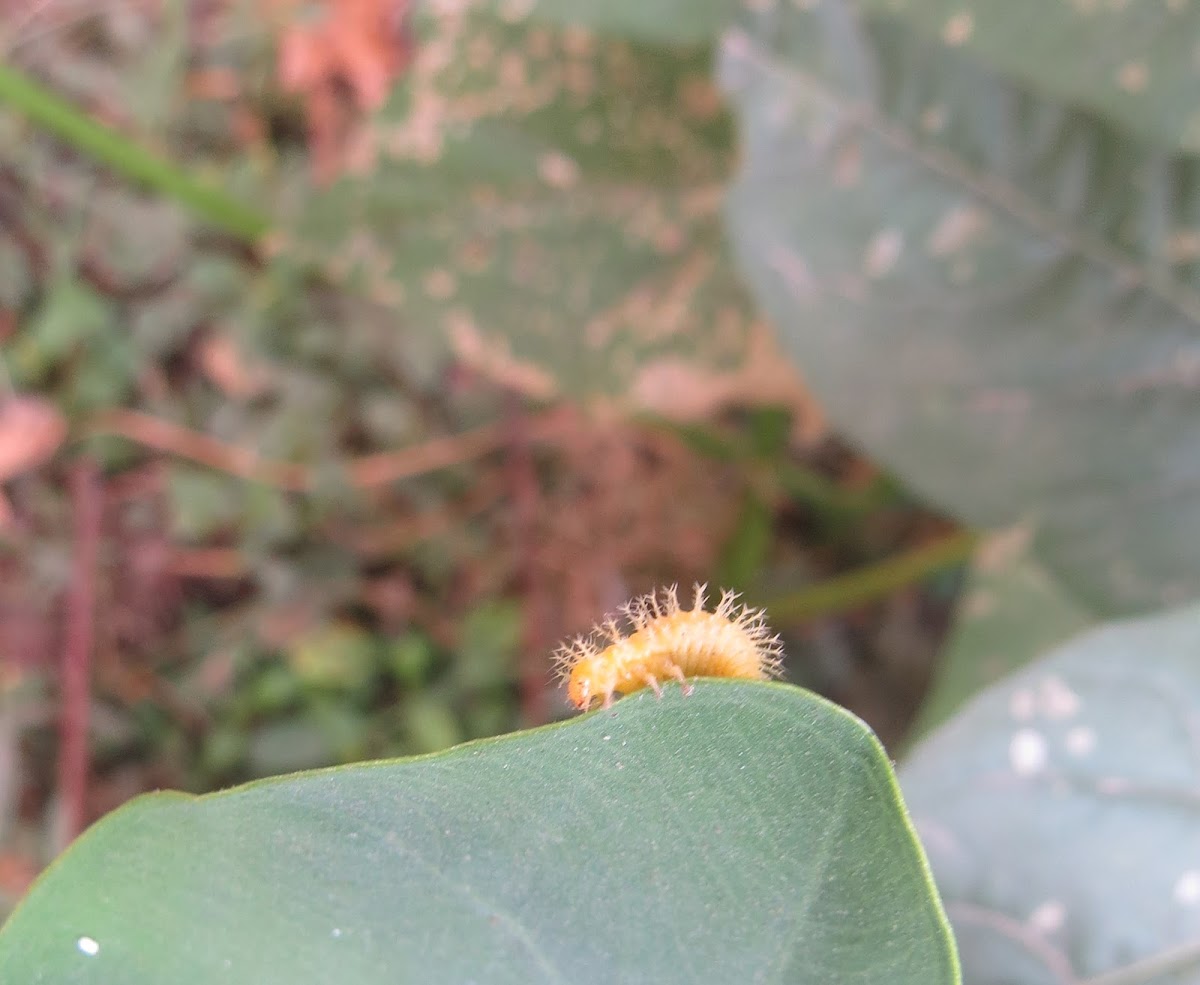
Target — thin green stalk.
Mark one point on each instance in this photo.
(128, 158)
(872, 582)
(800, 483)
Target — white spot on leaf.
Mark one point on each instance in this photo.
(557, 170)
(440, 284)
(956, 230)
(882, 252)
(1057, 700)
(1187, 888)
(1048, 917)
(1081, 740)
(958, 28)
(89, 946)
(1133, 76)
(1027, 752)
(791, 267)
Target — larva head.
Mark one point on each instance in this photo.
(591, 678)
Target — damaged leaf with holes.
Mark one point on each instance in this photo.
(544, 203)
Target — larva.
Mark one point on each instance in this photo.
(668, 641)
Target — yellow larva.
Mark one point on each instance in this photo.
(668, 641)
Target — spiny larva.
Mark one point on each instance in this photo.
(668, 641)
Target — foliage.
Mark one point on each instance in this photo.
(990, 289)
(1059, 811)
(1009, 613)
(706, 839)
(330, 529)
(973, 224)
(546, 202)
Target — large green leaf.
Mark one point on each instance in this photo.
(545, 201)
(1060, 812)
(994, 294)
(748, 833)
(1134, 63)
(1010, 613)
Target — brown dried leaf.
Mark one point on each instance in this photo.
(681, 390)
(361, 46)
(31, 431)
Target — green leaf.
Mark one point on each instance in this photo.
(1060, 812)
(71, 316)
(201, 502)
(1133, 63)
(994, 294)
(744, 555)
(337, 656)
(1010, 612)
(546, 204)
(680, 21)
(750, 832)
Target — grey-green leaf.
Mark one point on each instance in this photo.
(1061, 809)
(747, 833)
(995, 294)
(1010, 613)
(1133, 63)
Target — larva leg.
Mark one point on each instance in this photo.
(677, 672)
(654, 685)
(608, 700)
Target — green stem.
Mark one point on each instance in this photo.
(804, 484)
(123, 155)
(870, 583)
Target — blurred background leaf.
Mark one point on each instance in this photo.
(1009, 612)
(1059, 811)
(993, 292)
(544, 202)
(1132, 64)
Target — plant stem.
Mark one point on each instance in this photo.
(128, 158)
(797, 481)
(1187, 955)
(87, 502)
(875, 581)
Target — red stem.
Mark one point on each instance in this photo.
(77, 653)
(527, 503)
